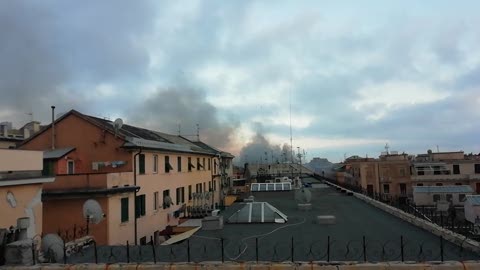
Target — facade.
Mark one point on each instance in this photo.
(446, 168)
(11, 137)
(143, 179)
(21, 183)
(388, 174)
(431, 195)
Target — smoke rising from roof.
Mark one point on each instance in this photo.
(260, 150)
(168, 108)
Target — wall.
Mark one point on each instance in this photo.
(28, 204)
(20, 160)
(92, 144)
(7, 144)
(64, 213)
(151, 182)
(120, 232)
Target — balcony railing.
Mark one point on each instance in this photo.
(89, 181)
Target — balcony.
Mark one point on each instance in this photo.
(440, 177)
(84, 184)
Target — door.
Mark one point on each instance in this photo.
(403, 189)
(477, 188)
(370, 190)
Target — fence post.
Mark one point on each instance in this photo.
(441, 248)
(188, 250)
(64, 253)
(401, 248)
(223, 259)
(95, 250)
(364, 250)
(328, 248)
(128, 253)
(441, 219)
(256, 248)
(153, 249)
(33, 254)
(292, 249)
(74, 231)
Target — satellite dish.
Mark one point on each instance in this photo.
(92, 211)
(117, 125)
(303, 195)
(52, 247)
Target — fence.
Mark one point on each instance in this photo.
(201, 249)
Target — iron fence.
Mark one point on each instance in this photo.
(201, 249)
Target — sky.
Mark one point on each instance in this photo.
(346, 76)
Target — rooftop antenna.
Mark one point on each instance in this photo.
(387, 147)
(291, 139)
(31, 115)
(117, 125)
(198, 132)
(179, 130)
(438, 149)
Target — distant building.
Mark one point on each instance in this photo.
(21, 184)
(446, 168)
(389, 174)
(93, 160)
(11, 137)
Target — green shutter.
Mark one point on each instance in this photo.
(141, 164)
(142, 209)
(124, 208)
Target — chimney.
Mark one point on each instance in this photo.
(53, 127)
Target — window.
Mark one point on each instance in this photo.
(214, 185)
(167, 201)
(190, 165)
(456, 169)
(124, 209)
(386, 188)
(458, 184)
(209, 164)
(420, 184)
(449, 197)
(141, 164)
(204, 187)
(197, 188)
(70, 167)
(403, 189)
(203, 164)
(48, 166)
(436, 197)
(214, 166)
(179, 164)
(155, 200)
(190, 192)
(402, 172)
(140, 206)
(168, 167)
(199, 165)
(180, 195)
(210, 186)
(439, 184)
(461, 197)
(155, 163)
(477, 168)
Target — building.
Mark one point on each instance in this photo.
(143, 179)
(21, 184)
(389, 174)
(10, 137)
(431, 195)
(446, 168)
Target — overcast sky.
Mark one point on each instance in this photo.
(358, 74)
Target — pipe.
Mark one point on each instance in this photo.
(136, 190)
(53, 127)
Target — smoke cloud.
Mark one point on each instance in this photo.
(260, 150)
(168, 108)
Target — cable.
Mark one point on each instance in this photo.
(243, 240)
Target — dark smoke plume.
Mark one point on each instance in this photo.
(168, 108)
(260, 150)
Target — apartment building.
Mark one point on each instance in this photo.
(389, 174)
(11, 137)
(143, 179)
(21, 184)
(446, 169)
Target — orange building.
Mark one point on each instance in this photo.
(142, 179)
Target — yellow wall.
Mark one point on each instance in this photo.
(119, 233)
(28, 204)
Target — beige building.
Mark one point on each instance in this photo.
(389, 174)
(21, 184)
(446, 168)
(11, 137)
